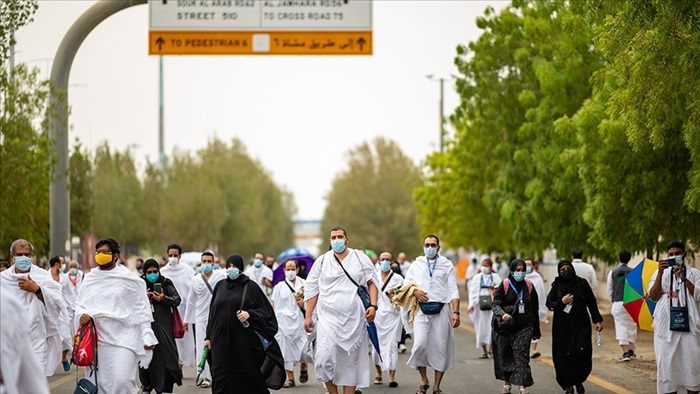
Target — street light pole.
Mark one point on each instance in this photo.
(161, 131)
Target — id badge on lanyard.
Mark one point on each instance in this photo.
(521, 304)
(430, 271)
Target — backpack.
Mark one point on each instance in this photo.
(506, 285)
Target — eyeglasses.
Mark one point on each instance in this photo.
(430, 245)
(389, 260)
(28, 254)
(103, 251)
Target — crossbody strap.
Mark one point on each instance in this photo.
(206, 282)
(346, 272)
(387, 281)
(670, 299)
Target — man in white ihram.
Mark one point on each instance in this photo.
(43, 305)
(341, 342)
(181, 275)
(260, 273)
(433, 337)
(583, 269)
(388, 322)
(290, 319)
(198, 301)
(115, 298)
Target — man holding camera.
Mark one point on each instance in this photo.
(676, 322)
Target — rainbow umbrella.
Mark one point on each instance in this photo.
(635, 298)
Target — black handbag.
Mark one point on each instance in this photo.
(85, 386)
(680, 320)
(431, 308)
(485, 302)
(501, 326)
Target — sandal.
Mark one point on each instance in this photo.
(506, 389)
(438, 391)
(523, 391)
(378, 380)
(423, 389)
(483, 356)
(393, 383)
(206, 384)
(289, 384)
(303, 376)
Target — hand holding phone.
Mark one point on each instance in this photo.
(158, 288)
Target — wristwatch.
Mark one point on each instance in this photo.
(456, 313)
(373, 306)
(38, 291)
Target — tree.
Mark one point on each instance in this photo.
(13, 15)
(372, 199)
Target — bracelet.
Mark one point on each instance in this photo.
(456, 313)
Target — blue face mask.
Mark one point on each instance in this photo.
(152, 277)
(257, 263)
(430, 252)
(519, 276)
(233, 273)
(206, 268)
(528, 269)
(338, 245)
(385, 266)
(73, 271)
(23, 263)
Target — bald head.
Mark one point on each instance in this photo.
(401, 258)
(385, 256)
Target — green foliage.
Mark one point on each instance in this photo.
(13, 15)
(81, 192)
(372, 200)
(25, 159)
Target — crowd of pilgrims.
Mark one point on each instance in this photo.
(235, 320)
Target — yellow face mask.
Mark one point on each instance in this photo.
(103, 258)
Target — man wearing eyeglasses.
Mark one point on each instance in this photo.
(43, 302)
(438, 298)
(115, 298)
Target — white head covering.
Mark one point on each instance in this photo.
(484, 257)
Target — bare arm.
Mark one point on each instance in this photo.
(656, 290)
(310, 306)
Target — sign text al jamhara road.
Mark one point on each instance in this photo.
(260, 27)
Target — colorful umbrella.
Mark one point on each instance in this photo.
(303, 258)
(635, 298)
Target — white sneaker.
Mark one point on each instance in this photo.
(402, 348)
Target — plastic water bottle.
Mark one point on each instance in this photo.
(245, 323)
(597, 338)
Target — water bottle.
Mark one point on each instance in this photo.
(597, 338)
(245, 323)
(203, 360)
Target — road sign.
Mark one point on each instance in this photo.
(257, 27)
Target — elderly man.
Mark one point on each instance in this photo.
(388, 321)
(198, 301)
(181, 275)
(43, 304)
(341, 342)
(115, 298)
(433, 338)
(75, 276)
(288, 302)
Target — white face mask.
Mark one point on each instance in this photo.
(173, 260)
(485, 270)
(290, 275)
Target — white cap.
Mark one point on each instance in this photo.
(484, 257)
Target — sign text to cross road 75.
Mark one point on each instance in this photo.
(257, 27)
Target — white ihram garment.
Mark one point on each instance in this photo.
(291, 335)
(48, 320)
(257, 274)
(538, 284)
(587, 272)
(198, 302)
(481, 319)
(433, 336)
(78, 279)
(181, 274)
(341, 342)
(388, 322)
(116, 300)
(676, 352)
(18, 365)
(69, 298)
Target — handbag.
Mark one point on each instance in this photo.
(178, 326)
(362, 291)
(485, 301)
(431, 308)
(503, 326)
(680, 320)
(85, 386)
(85, 355)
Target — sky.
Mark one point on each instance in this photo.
(297, 115)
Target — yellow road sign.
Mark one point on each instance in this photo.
(260, 43)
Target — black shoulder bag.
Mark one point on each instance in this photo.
(680, 320)
(206, 282)
(362, 291)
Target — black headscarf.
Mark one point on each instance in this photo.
(513, 266)
(565, 284)
(235, 260)
(148, 264)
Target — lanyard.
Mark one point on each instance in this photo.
(483, 284)
(520, 296)
(430, 270)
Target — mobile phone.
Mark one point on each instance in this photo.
(158, 287)
(671, 262)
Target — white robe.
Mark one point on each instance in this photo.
(48, 320)
(18, 366)
(341, 342)
(388, 322)
(116, 300)
(676, 352)
(257, 274)
(78, 281)
(433, 335)
(482, 319)
(291, 335)
(538, 284)
(198, 302)
(181, 274)
(587, 272)
(69, 298)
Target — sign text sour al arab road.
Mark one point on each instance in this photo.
(259, 27)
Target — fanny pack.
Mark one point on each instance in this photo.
(431, 308)
(680, 320)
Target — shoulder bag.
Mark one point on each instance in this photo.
(362, 291)
(680, 320)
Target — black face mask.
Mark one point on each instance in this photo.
(566, 274)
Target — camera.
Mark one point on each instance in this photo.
(671, 262)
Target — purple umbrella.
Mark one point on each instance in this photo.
(302, 257)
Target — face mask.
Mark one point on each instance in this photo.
(74, 271)
(485, 270)
(528, 269)
(566, 274)
(519, 276)
(385, 266)
(152, 277)
(430, 252)
(257, 263)
(338, 245)
(23, 263)
(103, 258)
(233, 273)
(173, 260)
(290, 275)
(206, 268)
(679, 259)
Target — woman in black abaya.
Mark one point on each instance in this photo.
(572, 299)
(163, 371)
(236, 351)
